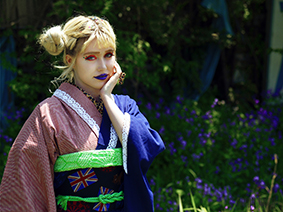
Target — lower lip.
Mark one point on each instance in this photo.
(101, 78)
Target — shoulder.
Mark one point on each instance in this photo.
(50, 103)
(50, 107)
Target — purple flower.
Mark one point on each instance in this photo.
(193, 112)
(157, 115)
(248, 188)
(217, 170)
(276, 188)
(197, 157)
(157, 106)
(243, 201)
(148, 106)
(152, 183)
(184, 158)
(280, 135)
(232, 202)
(172, 149)
(262, 184)
(161, 131)
(198, 180)
(207, 116)
(158, 207)
(243, 147)
(189, 133)
(187, 179)
(234, 143)
(246, 134)
(256, 180)
(214, 103)
(184, 144)
(218, 195)
(272, 141)
(179, 99)
(206, 189)
(7, 139)
(167, 111)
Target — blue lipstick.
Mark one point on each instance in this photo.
(101, 77)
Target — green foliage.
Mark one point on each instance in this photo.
(161, 53)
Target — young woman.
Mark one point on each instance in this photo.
(83, 149)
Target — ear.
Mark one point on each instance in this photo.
(69, 59)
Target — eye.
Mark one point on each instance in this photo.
(90, 58)
(109, 55)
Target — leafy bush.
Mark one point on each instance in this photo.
(224, 156)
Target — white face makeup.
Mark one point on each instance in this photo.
(94, 67)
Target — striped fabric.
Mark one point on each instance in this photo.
(52, 129)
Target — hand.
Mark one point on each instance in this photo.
(111, 83)
(114, 112)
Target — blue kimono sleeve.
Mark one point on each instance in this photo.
(144, 144)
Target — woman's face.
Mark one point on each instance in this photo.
(94, 67)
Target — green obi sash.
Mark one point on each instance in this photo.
(87, 159)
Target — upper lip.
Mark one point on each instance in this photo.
(101, 76)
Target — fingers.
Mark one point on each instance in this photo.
(113, 80)
(117, 68)
(122, 78)
(118, 71)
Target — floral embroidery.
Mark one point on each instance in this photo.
(118, 179)
(108, 169)
(76, 207)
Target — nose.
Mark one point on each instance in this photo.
(101, 65)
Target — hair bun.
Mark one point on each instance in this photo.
(53, 40)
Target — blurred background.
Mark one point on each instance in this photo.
(208, 74)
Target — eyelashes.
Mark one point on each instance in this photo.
(90, 57)
(93, 57)
(109, 54)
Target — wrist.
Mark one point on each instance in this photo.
(106, 97)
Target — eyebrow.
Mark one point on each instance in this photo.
(108, 50)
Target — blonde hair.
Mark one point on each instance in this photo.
(74, 37)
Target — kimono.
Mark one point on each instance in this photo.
(67, 123)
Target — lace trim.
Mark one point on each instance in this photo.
(78, 108)
(113, 138)
(87, 159)
(125, 133)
